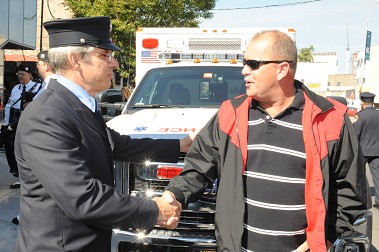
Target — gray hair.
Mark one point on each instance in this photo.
(58, 56)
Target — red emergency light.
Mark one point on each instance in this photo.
(168, 172)
(150, 43)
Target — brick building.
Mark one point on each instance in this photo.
(46, 10)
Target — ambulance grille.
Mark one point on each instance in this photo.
(215, 44)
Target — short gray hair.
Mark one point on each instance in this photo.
(58, 56)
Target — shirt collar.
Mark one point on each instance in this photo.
(79, 92)
(28, 85)
(47, 79)
(298, 102)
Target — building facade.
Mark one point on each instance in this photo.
(367, 73)
(10, 58)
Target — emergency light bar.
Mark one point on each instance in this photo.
(199, 57)
(150, 43)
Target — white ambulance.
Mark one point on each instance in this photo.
(156, 47)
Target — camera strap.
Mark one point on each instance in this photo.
(30, 90)
(40, 86)
(34, 86)
(15, 102)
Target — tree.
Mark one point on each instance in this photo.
(306, 54)
(128, 16)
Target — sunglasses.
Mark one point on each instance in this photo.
(255, 64)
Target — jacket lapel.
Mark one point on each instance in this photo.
(83, 112)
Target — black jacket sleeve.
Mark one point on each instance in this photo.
(200, 169)
(348, 197)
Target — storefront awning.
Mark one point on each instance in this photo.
(19, 58)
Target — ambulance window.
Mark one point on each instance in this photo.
(188, 86)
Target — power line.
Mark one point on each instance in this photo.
(267, 6)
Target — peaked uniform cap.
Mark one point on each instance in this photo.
(43, 56)
(92, 31)
(367, 97)
(25, 68)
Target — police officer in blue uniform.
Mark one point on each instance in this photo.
(367, 128)
(20, 97)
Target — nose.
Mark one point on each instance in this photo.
(114, 63)
(246, 71)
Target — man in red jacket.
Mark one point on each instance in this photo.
(289, 169)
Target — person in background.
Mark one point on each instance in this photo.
(280, 153)
(65, 151)
(19, 98)
(45, 71)
(367, 128)
(126, 93)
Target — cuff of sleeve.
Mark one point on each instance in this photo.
(178, 194)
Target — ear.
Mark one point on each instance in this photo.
(283, 70)
(48, 68)
(73, 59)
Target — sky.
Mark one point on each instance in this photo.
(328, 25)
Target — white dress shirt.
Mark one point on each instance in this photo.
(14, 99)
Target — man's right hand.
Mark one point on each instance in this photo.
(169, 210)
(185, 142)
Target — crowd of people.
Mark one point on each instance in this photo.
(280, 152)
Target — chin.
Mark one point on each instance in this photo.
(249, 93)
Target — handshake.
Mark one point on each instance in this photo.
(169, 210)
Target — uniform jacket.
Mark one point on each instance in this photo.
(334, 170)
(65, 156)
(367, 128)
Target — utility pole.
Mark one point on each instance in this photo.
(41, 28)
(348, 56)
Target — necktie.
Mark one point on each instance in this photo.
(23, 96)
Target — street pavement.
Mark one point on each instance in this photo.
(10, 206)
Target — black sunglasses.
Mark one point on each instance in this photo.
(255, 64)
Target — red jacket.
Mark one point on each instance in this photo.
(335, 190)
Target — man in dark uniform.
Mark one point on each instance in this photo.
(65, 151)
(367, 128)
